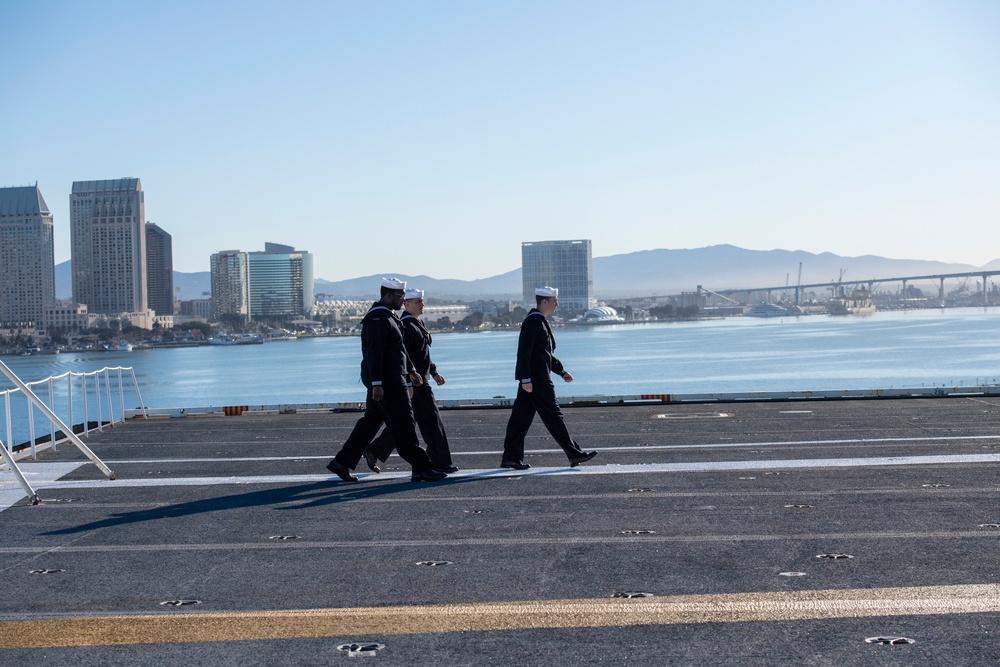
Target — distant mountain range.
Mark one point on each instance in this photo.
(642, 273)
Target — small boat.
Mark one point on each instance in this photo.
(123, 346)
(222, 339)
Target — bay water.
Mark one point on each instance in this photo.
(917, 348)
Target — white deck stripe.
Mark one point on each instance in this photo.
(45, 475)
(37, 474)
(644, 447)
(625, 448)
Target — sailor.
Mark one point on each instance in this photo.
(535, 391)
(417, 341)
(384, 371)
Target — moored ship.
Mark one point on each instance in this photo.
(766, 309)
(858, 302)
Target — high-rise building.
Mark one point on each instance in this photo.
(566, 265)
(107, 228)
(281, 281)
(275, 283)
(27, 256)
(230, 284)
(159, 269)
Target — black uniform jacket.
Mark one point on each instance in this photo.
(417, 341)
(534, 350)
(383, 358)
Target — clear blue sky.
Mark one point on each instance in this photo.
(434, 137)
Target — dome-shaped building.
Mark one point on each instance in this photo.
(601, 315)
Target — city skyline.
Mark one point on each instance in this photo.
(460, 131)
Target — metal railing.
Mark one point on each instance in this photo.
(69, 396)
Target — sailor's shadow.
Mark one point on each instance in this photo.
(360, 491)
(298, 497)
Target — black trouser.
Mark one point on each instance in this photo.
(395, 412)
(428, 417)
(541, 400)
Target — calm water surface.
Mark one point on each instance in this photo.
(886, 350)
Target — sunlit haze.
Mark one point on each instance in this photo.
(434, 137)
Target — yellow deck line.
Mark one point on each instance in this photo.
(374, 622)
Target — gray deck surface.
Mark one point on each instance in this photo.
(723, 498)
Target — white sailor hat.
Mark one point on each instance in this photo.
(547, 291)
(394, 283)
(413, 294)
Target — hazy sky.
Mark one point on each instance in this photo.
(434, 137)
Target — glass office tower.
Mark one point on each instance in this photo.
(566, 265)
(160, 269)
(281, 282)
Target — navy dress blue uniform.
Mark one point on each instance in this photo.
(535, 364)
(384, 363)
(417, 341)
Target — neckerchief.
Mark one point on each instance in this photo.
(548, 329)
(420, 325)
(379, 306)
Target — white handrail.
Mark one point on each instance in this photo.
(67, 408)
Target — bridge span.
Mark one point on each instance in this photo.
(840, 285)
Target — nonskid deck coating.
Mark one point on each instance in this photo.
(897, 500)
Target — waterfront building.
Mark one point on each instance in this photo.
(601, 315)
(27, 256)
(230, 284)
(143, 319)
(281, 282)
(566, 265)
(159, 269)
(197, 308)
(453, 312)
(165, 321)
(340, 312)
(107, 228)
(697, 300)
(66, 316)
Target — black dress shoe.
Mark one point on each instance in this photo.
(574, 461)
(427, 476)
(341, 471)
(514, 465)
(371, 460)
(446, 469)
